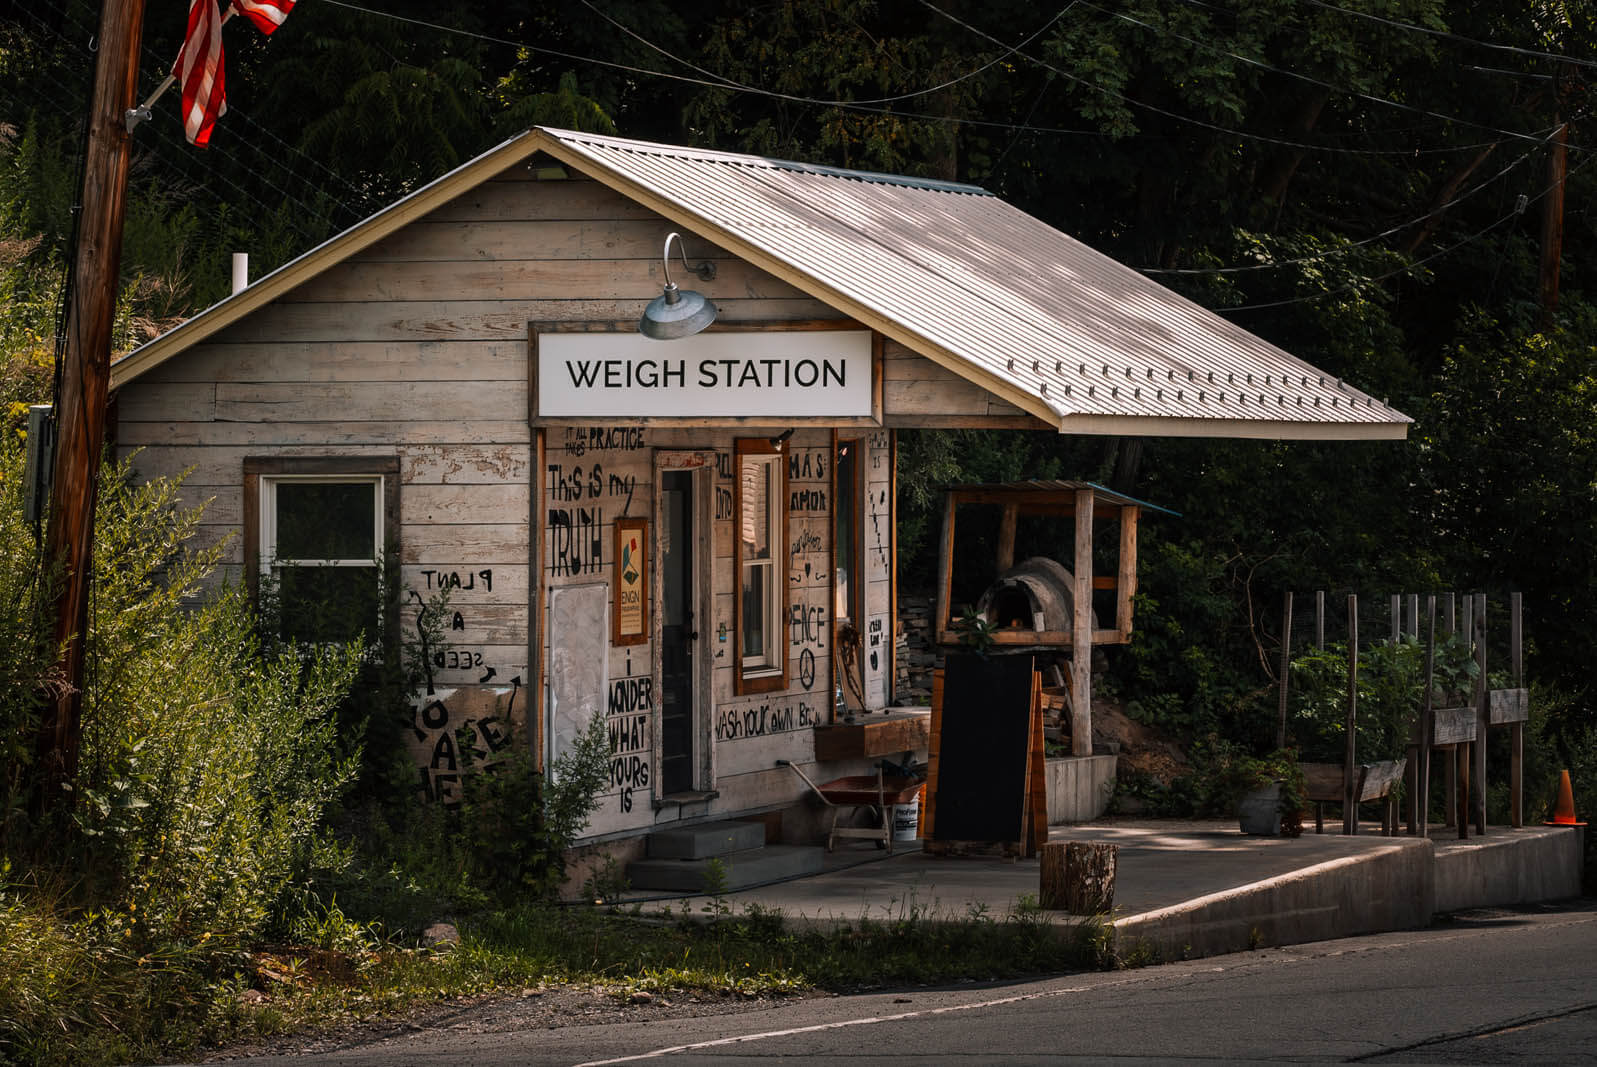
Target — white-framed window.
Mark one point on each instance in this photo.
(321, 527)
(761, 515)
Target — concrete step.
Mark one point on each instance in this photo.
(705, 840)
(755, 866)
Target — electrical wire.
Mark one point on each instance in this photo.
(1368, 97)
(1445, 35)
(1409, 268)
(743, 87)
(1354, 245)
(1129, 101)
(908, 115)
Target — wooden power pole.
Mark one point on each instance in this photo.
(86, 373)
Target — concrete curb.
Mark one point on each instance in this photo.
(1390, 888)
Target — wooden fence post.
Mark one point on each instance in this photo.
(1286, 667)
(1516, 757)
(1350, 805)
(1483, 716)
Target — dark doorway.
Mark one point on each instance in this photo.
(678, 632)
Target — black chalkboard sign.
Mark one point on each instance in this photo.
(984, 739)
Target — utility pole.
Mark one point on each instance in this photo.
(86, 373)
(1553, 222)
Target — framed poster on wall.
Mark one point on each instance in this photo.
(631, 609)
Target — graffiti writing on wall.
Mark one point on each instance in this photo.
(572, 485)
(576, 540)
(580, 440)
(454, 732)
(763, 720)
(627, 719)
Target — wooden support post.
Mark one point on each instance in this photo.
(80, 410)
(1483, 716)
(1081, 631)
(1078, 877)
(1126, 578)
(1397, 617)
(1516, 738)
(1286, 668)
(1350, 796)
(1450, 623)
(1319, 619)
(945, 568)
(1006, 538)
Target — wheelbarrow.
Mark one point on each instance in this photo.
(881, 793)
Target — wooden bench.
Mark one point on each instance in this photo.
(1373, 781)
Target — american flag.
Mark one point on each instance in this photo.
(200, 68)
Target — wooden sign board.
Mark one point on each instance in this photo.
(1454, 726)
(1509, 706)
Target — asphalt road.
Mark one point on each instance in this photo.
(1487, 987)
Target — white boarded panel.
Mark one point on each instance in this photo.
(578, 663)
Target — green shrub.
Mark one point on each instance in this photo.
(1391, 683)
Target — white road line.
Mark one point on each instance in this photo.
(863, 1021)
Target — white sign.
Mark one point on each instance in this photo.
(802, 373)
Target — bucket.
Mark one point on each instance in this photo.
(906, 818)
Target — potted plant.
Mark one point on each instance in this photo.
(1269, 792)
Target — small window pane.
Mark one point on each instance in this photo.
(755, 521)
(326, 520)
(756, 588)
(845, 530)
(325, 604)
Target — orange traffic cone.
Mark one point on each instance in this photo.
(1564, 810)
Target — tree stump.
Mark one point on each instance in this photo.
(1078, 877)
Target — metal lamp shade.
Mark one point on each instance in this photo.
(676, 313)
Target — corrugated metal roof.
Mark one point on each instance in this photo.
(950, 271)
(958, 275)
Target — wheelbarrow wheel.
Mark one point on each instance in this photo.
(870, 818)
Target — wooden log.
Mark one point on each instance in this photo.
(1078, 877)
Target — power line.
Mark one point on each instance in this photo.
(1371, 98)
(1445, 35)
(1262, 138)
(731, 84)
(916, 116)
(1352, 246)
(1477, 235)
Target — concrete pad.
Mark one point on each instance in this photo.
(1187, 888)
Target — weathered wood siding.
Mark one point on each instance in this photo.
(417, 347)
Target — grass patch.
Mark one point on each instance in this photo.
(69, 993)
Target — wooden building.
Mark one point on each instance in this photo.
(671, 534)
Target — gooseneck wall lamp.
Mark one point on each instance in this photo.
(678, 312)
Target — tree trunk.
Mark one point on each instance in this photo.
(1078, 877)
